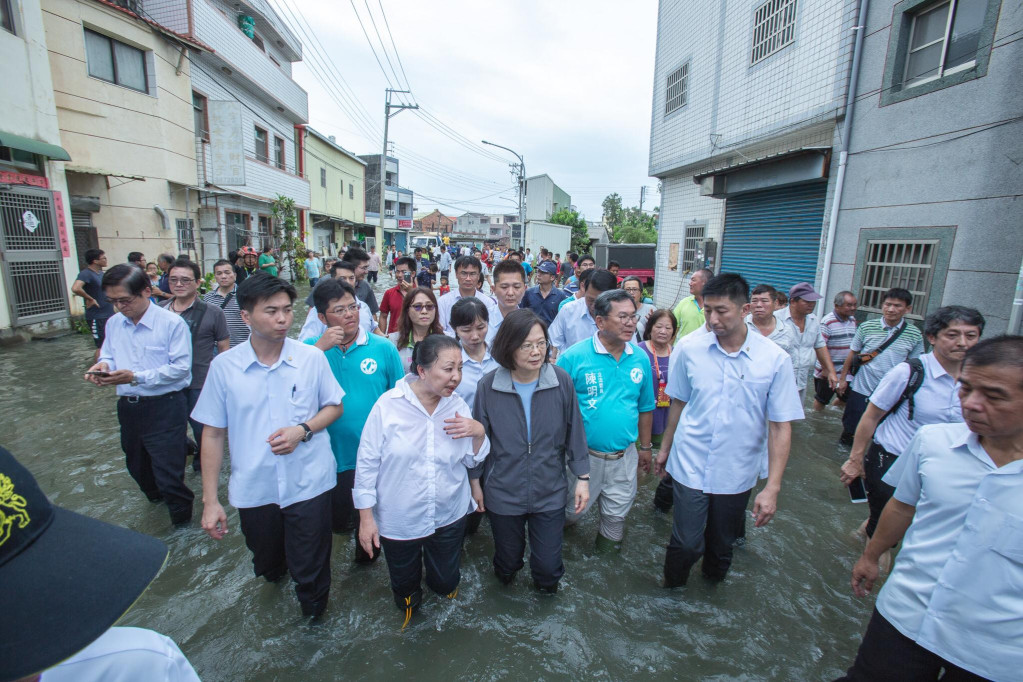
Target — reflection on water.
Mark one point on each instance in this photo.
(785, 612)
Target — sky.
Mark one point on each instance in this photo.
(566, 84)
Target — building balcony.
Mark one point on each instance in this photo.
(284, 39)
(238, 58)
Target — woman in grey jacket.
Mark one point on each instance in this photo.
(529, 411)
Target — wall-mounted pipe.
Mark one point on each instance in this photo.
(163, 216)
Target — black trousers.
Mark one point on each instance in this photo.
(664, 495)
(823, 393)
(887, 655)
(855, 406)
(545, 534)
(371, 276)
(441, 552)
(344, 515)
(153, 440)
(193, 398)
(296, 539)
(876, 464)
(704, 525)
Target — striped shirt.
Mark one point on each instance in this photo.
(238, 330)
(872, 334)
(838, 334)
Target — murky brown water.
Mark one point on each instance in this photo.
(785, 611)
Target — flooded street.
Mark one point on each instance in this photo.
(785, 612)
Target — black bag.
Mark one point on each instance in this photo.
(863, 358)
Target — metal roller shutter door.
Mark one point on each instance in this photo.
(774, 236)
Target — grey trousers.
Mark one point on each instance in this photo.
(703, 525)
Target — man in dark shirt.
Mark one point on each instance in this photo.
(544, 298)
(363, 291)
(89, 285)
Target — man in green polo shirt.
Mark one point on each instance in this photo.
(366, 366)
(616, 398)
(689, 311)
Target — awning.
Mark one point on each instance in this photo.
(31, 146)
(761, 160)
(100, 171)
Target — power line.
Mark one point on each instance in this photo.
(383, 48)
(391, 36)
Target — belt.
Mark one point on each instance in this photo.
(617, 454)
(132, 399)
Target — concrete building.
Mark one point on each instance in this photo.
(501, 226)
(337, 193)
(473, 224)
(544, 198)
(397, 203)
(433, 222)
(38, 260)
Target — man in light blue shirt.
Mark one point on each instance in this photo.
(953, 600)
(732, 401)
(575, 322)
(147, 354)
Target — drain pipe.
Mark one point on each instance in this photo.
(843, 154)
(163, 216)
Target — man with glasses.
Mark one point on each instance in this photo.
(467, 271)
(147, 355)
(225, 297)
(633, 286)
(208, 327)
(366, 366)
(616, 398)
(313, 327)
(577, 320)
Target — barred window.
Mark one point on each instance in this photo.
(694, 236)
(677, 92)
(774, 27)
(186, 235)
(898, 263)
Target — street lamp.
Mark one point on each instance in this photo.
(522, 190)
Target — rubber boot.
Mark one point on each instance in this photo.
(505, 578)
(607, 546)
(547, 589)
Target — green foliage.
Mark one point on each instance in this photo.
(580, 232)
(80, 326)
(206, 284)
(292, 248)
(628, 225)
(613, 213)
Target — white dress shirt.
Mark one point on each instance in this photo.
(803, 350)
(409, 471)
(313, 328)
(572, 325)
(252, 401)
(158, 350)
(936, 402)
(446, 302)
(780, 335)
(955, 587)
(721, 440)
(472, 372)
(123, 654)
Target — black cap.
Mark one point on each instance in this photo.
(64, 578)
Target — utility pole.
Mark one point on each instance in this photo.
(383, 157)
(522, 192)
(642, 195)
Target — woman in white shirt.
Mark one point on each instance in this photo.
(411, 480)
(418, 320)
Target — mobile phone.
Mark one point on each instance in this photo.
(407, 276)
(857, 493)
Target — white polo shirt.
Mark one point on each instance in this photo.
(446, 302)
(572, 325)
(721, 440)
(937, 402)
(804, 344)
(955, 588)
(313, 328)
(252, 401)
(409, 471)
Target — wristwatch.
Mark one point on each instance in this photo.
(308, 432)
(134, 381)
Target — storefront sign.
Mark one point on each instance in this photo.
(405, 224)
(227, 151)
(65, 245)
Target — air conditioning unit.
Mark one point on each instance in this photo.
(388, 213)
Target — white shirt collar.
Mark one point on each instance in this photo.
(601, 350)
(247, 355)
(486, 356)
(711, 339)
(146, 320)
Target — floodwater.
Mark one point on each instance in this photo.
(785, 612)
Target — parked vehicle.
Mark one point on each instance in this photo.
(634, 259)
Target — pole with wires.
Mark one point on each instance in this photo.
(379, 242)
(522, 191)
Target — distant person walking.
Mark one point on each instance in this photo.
(89, 285)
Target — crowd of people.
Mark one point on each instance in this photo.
(408, 421)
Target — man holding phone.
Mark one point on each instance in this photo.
(390, 303)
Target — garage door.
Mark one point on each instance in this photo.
(774, 236)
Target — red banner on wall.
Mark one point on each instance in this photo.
(10, 178)
(65, 245)
(405, 224)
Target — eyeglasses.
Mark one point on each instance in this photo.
(122, 301)
(180, 280)
(342, 309)
(632, 290)
(423, 307)
(530, 347)
(625, 318)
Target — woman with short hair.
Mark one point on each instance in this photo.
(470, 320)
(418, 319)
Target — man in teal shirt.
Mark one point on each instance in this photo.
(616, 398)
(366, 366)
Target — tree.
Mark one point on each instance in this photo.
(613, 213)
(286, 235)
(637, 228)
(580, 231)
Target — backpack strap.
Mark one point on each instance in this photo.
(916, 380)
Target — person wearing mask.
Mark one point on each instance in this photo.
(763, 320)
(509, 288)
(89, 285)
(951, 608)
(272, 398)
(633, 286)
(312, 268)
(411, 476)
(147, 355)
(529, 410)
(838, 329)
(657, 338)
(225, 297)
(544, 298)
(890, 420)
(313, 326)
(612, 381)
(391, 302)
(267, 263)
(689, 311)
(207, 326)
(418, 320)
(577, 321)
(732, 403)
(366, 366)
(468, 271)
(805, 331)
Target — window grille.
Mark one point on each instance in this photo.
(694, 236)
(677, 92)
(898, 263)
(186, 234)
(774, 27)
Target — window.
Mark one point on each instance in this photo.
(7, 15)
(265, 226)
(262, 151)
(279, 152)
(186, 234)
(351, 191)
(115, 62)
(774, 27)
(694, 237)
(202, 121)
(259, 42)
(677, 92)
(10, 156)
(943, 39)
(323, 177)
(898, 263)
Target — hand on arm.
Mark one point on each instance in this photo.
(214, 520)
(891, 528)
(853, 467)
(465, 427)
(779, 441)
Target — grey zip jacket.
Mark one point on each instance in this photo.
(519, 476)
